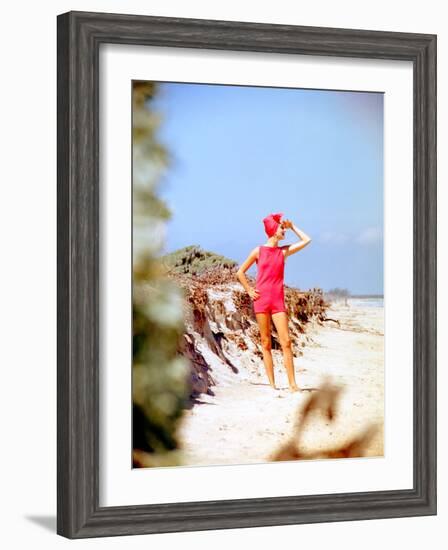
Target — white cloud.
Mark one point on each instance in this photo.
(371, 235)
(368, 236)
(332, 237)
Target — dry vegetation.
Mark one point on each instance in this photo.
(214, 297)
(323, 404)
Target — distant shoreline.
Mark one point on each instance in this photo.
(357, 296)
(365, 300)
(376, 296)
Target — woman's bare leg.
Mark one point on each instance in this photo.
(281, 324)
(264, 323)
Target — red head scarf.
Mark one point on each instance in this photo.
(271, 223)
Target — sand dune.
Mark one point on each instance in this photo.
(246, 421)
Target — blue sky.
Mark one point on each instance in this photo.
(240, 152)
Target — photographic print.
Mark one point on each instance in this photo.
(258, 312)
(263, 207)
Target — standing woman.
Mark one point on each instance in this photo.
(268, 294)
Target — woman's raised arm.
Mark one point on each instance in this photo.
(295, 247)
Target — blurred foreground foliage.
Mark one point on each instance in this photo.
(325, 403)
(159, 374)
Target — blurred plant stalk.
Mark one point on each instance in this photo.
(159, 373)
(325, 403)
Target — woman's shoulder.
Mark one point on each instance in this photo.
(256, 252)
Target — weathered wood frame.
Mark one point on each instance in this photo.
(79, 37)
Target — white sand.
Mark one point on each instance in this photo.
(246, 421)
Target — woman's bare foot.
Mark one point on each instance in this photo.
(294, 388)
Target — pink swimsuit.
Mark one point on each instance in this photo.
(269, 282)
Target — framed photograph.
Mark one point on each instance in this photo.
(246, 274)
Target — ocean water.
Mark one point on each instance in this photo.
(366, 302)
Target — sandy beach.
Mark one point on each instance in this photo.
(246, 421)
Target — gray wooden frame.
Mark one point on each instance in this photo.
(79, 37)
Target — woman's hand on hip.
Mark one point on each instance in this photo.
(253, 293)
